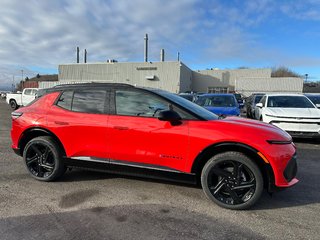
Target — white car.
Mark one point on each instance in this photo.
(294, 113)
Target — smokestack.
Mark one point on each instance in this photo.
(178, 56)
(85, 56)
(162, 55)
(146, 48)
(77, 54)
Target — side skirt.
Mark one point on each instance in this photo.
(131, 169)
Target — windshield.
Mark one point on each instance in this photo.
(314, 98)
(289, 102)
(192, 107)
(216, 101)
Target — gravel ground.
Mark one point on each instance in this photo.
(90, 205)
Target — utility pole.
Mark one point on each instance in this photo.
(13, 87)
(22, 80)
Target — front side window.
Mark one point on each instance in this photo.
(28, 92)
(263, 100)
(139, 103)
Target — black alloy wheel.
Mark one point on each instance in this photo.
(43, 159)
(232, 180)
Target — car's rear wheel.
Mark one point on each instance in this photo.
(13, 104)
(232, 180)
(43, 159)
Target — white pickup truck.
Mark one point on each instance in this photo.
(16, 100)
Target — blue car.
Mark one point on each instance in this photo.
(220, 104)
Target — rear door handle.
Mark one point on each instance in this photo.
(121, 128)
(61, 123)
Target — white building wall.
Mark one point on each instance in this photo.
(247, 86)
(203, 79)
(162, 75)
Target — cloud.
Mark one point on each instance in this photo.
(43, 34)
(46, 33)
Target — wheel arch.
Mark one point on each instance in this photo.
(252, 153)
(31, 133)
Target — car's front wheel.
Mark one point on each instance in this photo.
(43, 159)
(232, 180)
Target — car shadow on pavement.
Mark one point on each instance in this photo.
(135, 221)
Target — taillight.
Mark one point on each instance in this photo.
(15, 115)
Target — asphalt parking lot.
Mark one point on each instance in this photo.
(91, 205)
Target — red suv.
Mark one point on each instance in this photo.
(137, 131)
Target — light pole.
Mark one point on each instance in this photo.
(22, 80)
(306, 76)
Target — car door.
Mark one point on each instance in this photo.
(27, 96)
(138, 136)
(80, 121)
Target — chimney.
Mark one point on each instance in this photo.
(178, 56)
(146, 48)
(85, 56)
(77, 54)
(162, 55)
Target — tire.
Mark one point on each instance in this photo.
(13, 104)
(43, 159)
(232, 181)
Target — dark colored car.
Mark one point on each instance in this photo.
(222, 104)
(124, 129)
(188, 96)
(251, 102)
(239, 99)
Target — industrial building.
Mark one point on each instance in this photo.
(176, 77)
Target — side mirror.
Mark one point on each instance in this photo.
(259, 105)
(169, 115)
(318, 105)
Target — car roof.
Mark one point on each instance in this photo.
(217, 94)
(284, 94)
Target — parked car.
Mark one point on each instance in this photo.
(15, 100)
(4, 94)
(251, 102)
(220, 103)
(240, 100)
(188, 96)
(315, 98)
(148, 132)
(294, 113)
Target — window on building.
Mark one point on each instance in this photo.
(218, 89)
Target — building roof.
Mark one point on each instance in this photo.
(41, 78)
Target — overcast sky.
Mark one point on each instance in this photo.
(38, 35)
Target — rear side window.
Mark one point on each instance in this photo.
(88, 101)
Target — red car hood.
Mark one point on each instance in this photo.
(248, 126)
